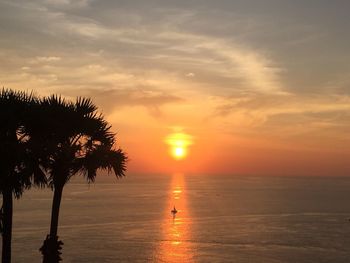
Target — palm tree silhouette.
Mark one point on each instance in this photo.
(18, 166)
(76, 140)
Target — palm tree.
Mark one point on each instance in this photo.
(77, 141)
(17, 161)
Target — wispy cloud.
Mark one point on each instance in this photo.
(113, 99)
(283, 116)
(48, 59)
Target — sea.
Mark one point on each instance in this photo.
(219, 219)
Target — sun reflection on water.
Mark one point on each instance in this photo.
(175, 245)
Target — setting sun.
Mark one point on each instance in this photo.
(179, 143)
(179, 152)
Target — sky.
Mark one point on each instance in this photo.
(260, 87)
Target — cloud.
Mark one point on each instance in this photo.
(258, 71)
(65, 3)
(113, 99)
(286, 115)
(48, 59)
(223, 61)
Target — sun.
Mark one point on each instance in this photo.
(179, 152)
(179, 143)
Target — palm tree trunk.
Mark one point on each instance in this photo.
(7, 225)
(52, 246)
(56, 202)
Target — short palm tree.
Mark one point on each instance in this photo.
(77, 140)
(18, 165)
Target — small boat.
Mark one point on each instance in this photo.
(174, 211)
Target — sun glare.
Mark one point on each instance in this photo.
(179, 152)
(179, 143)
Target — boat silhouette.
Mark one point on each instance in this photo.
(174, 211)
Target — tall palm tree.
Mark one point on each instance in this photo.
(18, 165)
(78, 141)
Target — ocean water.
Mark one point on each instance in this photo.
(219, 219)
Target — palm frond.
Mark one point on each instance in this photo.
(85, 106)
(105, 158)
(15, 154)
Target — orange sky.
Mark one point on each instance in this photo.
(253, 151)
(261, 89)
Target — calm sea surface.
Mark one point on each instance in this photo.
(219, 219)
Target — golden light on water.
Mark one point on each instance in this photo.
(176, 246)
(179, 143)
